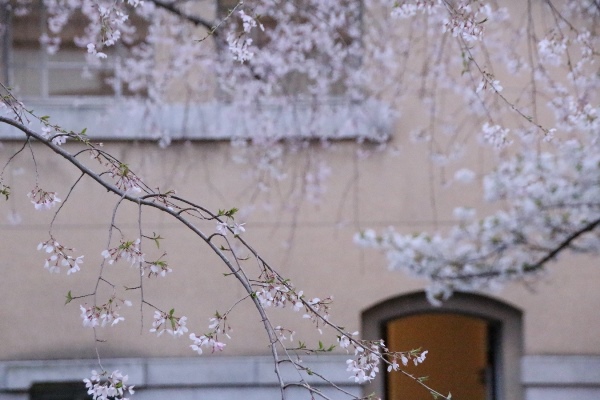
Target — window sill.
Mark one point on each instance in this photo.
(118, 119)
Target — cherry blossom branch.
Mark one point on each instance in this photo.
(238, 273)
(551, 255)
(198, 21)
(489, 81)
(62, 204)
(91, 315)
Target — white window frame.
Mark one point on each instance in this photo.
(47, 65)
(106, 119)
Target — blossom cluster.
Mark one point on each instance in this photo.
(271, 294)
(466, 20)
(209, 341)
(43, 200)
(59, 257)
(106, 23)
(91, 49)
(408, 9)
(130, 252)
(463, 19)
(224, 227)
(156, 268)
(496, 136)
(175, 326)
(417, 357)
(368, 355)
(552, 49)
(239, 47)
(488, 82)
(239, 43)
(107, 313)
(50, 133)
(365, 366)
(124, 178)
(282, 333)
(552, 203)
(127, 250)
(219, 326)
(279, 296)
(114, 386)
(317, 309)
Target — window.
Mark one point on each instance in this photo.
(302, 49)
(307, 97)
(304, 79)
(59, 391)
(35, 71)
(75, 92)
(474, 345)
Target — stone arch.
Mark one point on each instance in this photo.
(505, 322)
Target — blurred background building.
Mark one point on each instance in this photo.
(527, 341)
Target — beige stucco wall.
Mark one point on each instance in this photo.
(559, 311)
(310, 244)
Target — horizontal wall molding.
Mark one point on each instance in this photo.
(371, 120)
(560, 370)
(195, 372)
(543, 376)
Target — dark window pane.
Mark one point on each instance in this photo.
(59, 391)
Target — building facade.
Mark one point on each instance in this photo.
(525, 341)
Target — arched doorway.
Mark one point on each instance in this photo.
(474, 345)
(461, 356)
